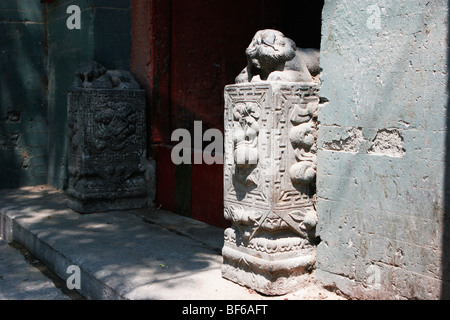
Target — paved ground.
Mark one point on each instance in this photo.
(20, 280)
(138, 254)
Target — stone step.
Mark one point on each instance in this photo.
(22, 278)
(134, 254)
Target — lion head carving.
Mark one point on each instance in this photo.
(273, 57)
(269, 49)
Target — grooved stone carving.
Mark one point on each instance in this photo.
(269, 184)
(106, 138)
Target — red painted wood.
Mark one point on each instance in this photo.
(150, 62)
(207, 194)
(165, 178)
(207, 52)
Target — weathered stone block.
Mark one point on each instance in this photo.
(106, 132)
(269, 184)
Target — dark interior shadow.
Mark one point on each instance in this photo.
(302, 22)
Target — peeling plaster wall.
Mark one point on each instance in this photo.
(382, 141)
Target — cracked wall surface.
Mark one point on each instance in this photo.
(382, 140)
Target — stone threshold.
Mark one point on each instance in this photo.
(135, 254)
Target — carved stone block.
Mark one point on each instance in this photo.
(269, 184)
(107, 147)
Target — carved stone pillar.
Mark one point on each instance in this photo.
(106, 142)
(269, 184)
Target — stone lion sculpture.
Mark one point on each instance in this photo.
(91, 74)
(273, 57)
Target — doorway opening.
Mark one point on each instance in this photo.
(184, 53)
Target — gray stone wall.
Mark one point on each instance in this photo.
(38, 59)
(382, 142)
(23, 100)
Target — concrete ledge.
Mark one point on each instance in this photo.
(134, 254)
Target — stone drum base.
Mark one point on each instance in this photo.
(269, 184)
(269, 266)
(92, 206)
(107, 149)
